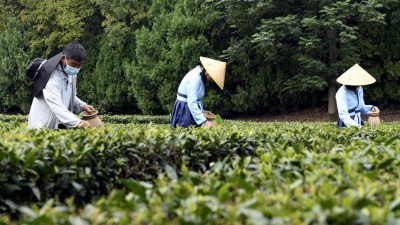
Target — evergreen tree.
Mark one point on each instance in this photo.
(54, 23)
(15, 93)
(301, 47)
(180, 32)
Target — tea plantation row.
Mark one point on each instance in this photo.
(237, 173)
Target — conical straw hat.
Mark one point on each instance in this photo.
(356, 76)
(216, 69)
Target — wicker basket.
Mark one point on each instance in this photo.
(92, 118)
(373, 118)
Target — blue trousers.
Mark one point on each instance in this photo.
(181, 115)
(340, 123)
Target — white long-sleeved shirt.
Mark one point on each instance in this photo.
(193, 87)
(347, 100)
(57, 104)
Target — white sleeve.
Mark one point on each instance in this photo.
(52, 95)
(341, 102)
(195, 106)
(78, 105)
(365, 108)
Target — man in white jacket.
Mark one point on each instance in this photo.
(55, 100)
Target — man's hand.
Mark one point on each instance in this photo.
(83, 124)
(209, 124)
(375, 109)
(88, 108)
(205, 112)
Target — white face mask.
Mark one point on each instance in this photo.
(71, 70)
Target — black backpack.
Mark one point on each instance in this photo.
(33, 70)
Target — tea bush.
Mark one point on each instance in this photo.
(237, 173)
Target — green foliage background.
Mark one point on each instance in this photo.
(282, 55)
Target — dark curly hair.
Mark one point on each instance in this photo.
(74, 50)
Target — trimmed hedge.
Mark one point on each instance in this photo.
(36, 165)
(116, 119)
(295, 172)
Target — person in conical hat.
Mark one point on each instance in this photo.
(188, 107)
(350, 97)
